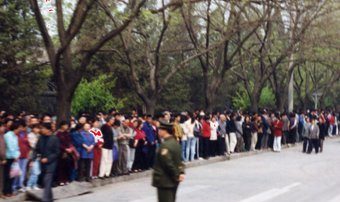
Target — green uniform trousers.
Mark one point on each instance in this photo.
(167, 194)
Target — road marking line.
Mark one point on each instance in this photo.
(269, 194)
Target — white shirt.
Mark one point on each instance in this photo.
(213, 128)
(189, 128)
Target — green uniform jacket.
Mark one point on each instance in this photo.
(168, 164)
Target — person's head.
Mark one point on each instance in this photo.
(46, 129)
(126, 122)
(166, 116)
(177, 118)
(64, 125)
(112, 111)
(33, 120)
(139, 124)
(165, 130)
(35, 128)
(8, 123)
(148, 119)
(247, 118)
(116, 124)
(307, 119)
(135, 124)
(87, 126)
(82, 120)
(223, 117)
(47, 119)
(110, 120)
(213, 119)
(118, 116)
(96, 123)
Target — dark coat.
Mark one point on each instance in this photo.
(48, 147)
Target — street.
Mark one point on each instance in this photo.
(288, 176)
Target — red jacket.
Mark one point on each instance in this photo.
(277, 126)
(24, 145)
(206, 131)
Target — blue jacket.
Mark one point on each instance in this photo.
(12, 145)
(88, 139)
(149, 132)
(77, 140)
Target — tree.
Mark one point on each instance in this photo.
(143, 51)
(218, 21)
(20, 68)
(94, 96)
(274, 45)
(67, 57)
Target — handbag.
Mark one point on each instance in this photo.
(15, 170)
(132, 143)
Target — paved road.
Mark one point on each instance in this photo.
(288, 176)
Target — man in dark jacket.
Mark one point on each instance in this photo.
(169, 168)
(47, 151)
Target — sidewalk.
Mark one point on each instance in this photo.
(80, 188)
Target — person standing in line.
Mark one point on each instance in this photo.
(139, 163)
(266, 130)
(24, 146)
(77, 140)
(213, 137)
(206, 133)
(2, 157)
(305, 135)
(107, 158)
(277, 130)
(151, 140)
(131, 147)
(224, 139)
(231, 129)
(323, 130)
(191, 146)
(35, 170)
(254, 130)
(97, 150)
(178, 131)
(86, 154)
(169, 168)
(12, 155)
(292, 128)
(239, 134)
(314, 133)
(285, 128)
(198, 136)
(47, 151)
(65, 159)
(247, 132)
(124, 134)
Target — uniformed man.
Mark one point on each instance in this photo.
(168, 168)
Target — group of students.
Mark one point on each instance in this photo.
(112, 144)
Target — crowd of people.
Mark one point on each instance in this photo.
(114, 144)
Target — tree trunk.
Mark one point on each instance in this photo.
(291, 92)
(280, 100)
(255, 99)
(64, 101)
(150, 105)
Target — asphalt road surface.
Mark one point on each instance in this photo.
(289, 176)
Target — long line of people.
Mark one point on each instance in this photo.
(112, 144)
